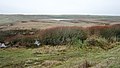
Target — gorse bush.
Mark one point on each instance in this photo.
(62, 35)
(12, 33)
(97, 30)
(4, 34)
(108, 32)
(24, 42)
(116, 30)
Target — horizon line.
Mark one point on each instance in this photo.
(57, 14)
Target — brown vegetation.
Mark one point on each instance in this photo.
(63, 35)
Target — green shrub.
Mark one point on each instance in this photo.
(62, 35)
(78, 43)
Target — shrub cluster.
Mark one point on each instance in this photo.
(24, 42)
(62, 35)
(68, 35)
(111, 32)
(11, 33)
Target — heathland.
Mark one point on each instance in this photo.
(66, 41)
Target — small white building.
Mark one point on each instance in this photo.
(37, 43)
(2, 45)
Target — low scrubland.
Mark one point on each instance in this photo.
(62, 47)
(101, 36)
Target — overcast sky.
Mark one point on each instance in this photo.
(88, 7)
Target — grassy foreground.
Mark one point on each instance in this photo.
(60, 57)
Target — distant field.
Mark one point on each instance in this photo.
(43, 24)
(14, 18)
(46, 21)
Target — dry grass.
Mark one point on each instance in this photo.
(49, 58)
(50, 49)
(44, 24)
